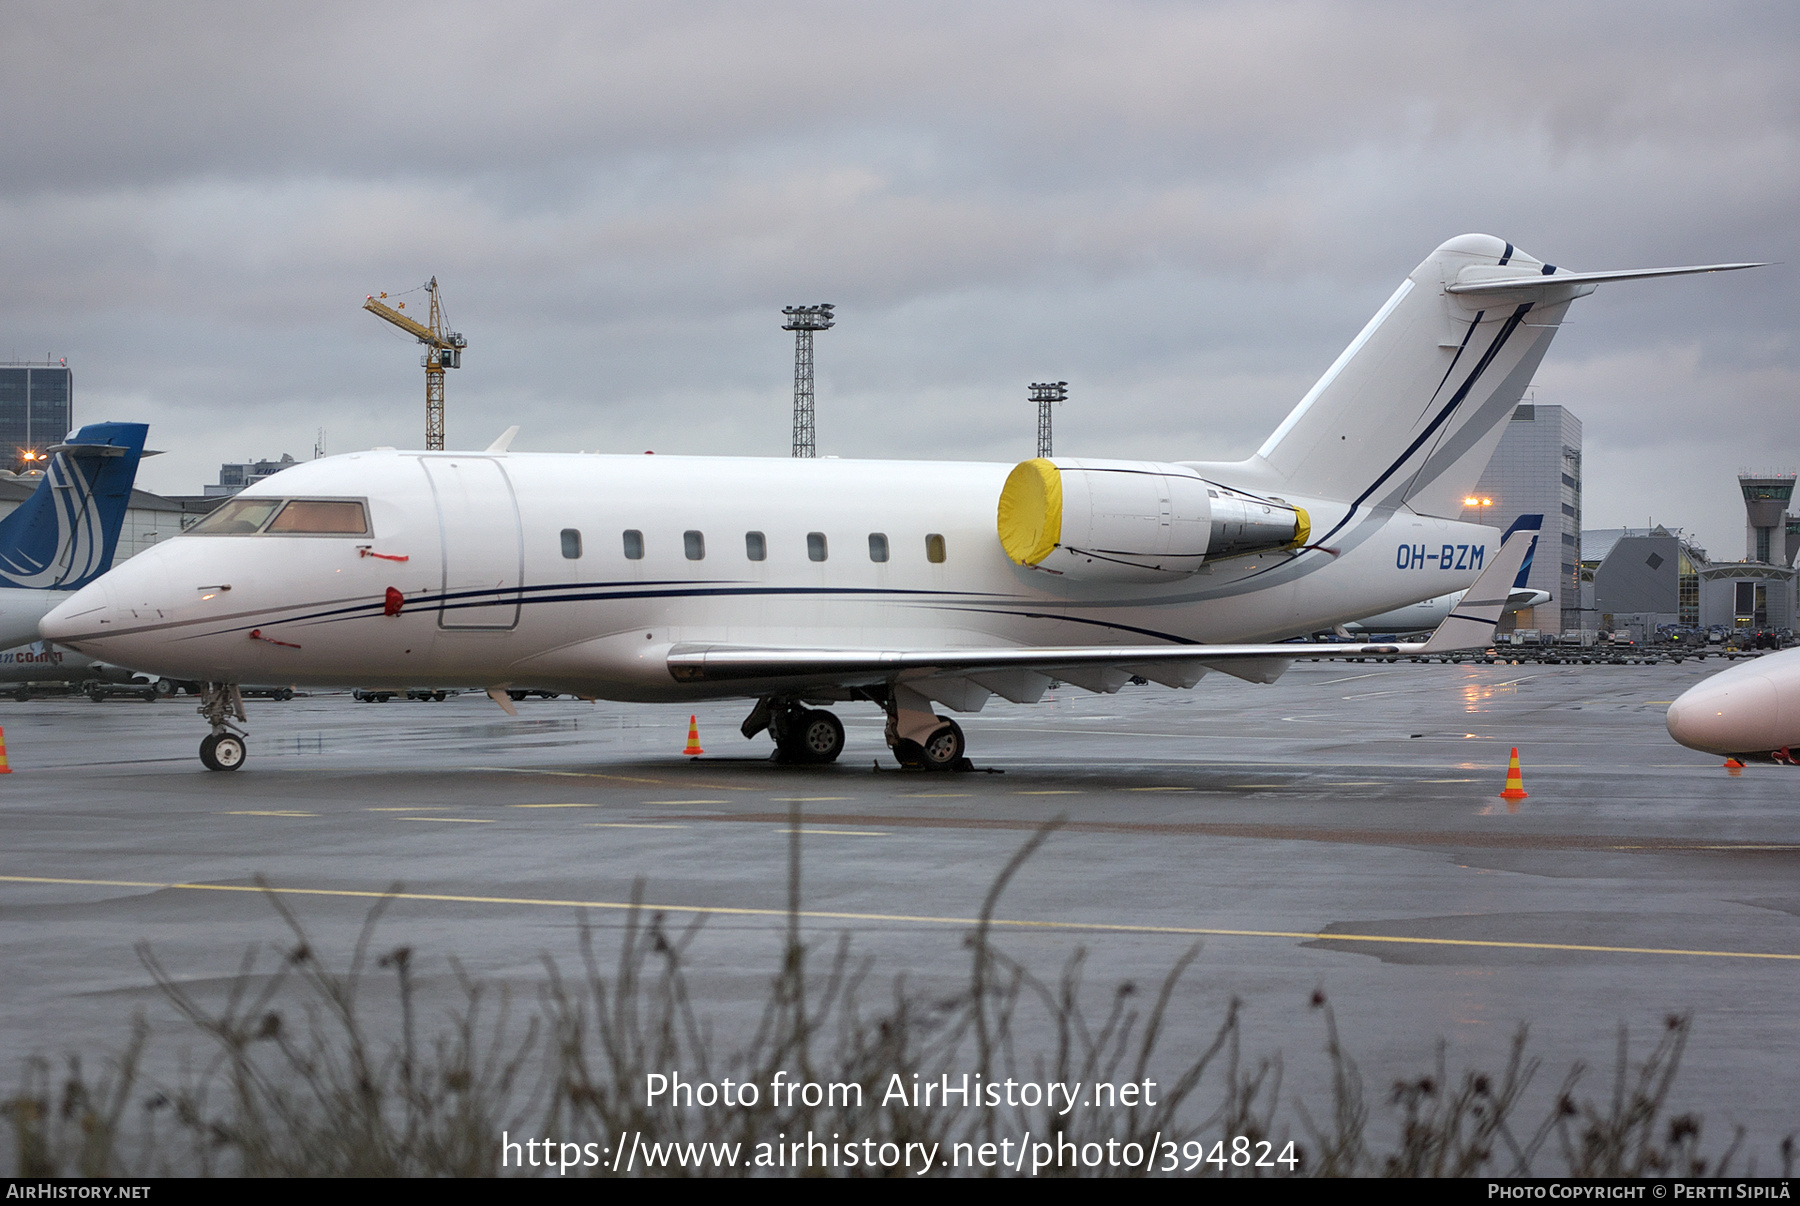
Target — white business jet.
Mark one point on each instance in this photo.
(903, 584)
(1751, 711)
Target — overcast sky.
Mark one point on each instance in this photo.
(1184, 210)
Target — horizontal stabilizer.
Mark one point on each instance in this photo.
(1514, 284)
(1471, 623)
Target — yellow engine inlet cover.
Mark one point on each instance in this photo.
(1031, 507)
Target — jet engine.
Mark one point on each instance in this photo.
(1134, 521)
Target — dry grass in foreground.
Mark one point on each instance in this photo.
(320, 1089)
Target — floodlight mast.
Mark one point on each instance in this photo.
(1044, 393)
(803, 321)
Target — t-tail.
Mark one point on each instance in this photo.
(65, 534)
(1410, 413)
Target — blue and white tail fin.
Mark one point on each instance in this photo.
(1471, 623)
(1532, 524)
(1411, 412)
(65, 534)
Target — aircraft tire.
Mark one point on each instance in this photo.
(820, 736)
(943, 750)
(222, 752)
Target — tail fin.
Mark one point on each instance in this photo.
(1471, 623)
(1410, 413)
(1532, 523)
(64, 535)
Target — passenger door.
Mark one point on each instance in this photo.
(478, 523)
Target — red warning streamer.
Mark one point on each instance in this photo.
(256, 635)
(362, 552)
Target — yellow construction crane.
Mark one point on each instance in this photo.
(443, 350)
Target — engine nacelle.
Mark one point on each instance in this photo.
(1134, 521)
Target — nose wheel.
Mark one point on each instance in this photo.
(222, 751)
(223, 706)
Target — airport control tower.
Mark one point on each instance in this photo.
(1766, 498)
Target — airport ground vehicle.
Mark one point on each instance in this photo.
(793, 583)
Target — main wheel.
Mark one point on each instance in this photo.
(819, 737)
(96, 694)
(943, 750)
(222, 751)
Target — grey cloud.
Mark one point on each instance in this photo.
(1184, 209)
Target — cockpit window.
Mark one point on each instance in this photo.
(321, 517)
(239, 517)
(291, 517)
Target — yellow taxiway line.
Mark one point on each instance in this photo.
(916, 919)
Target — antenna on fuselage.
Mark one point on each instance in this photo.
(803, 321)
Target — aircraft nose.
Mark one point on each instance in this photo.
(82, 612)
(1730, 714)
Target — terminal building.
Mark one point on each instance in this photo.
(1536, 470)
(1638, 580)
(36, 408)
(235, 477)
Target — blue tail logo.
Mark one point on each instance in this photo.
(65, 534)
(1531, 523)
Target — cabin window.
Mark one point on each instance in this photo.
(878, 550)
(934, 549)
(815, 546)
(755, 547)
(571, 543)
(694, 545)
(321, 517)
(634, 545)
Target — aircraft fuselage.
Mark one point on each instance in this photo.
(514, 569)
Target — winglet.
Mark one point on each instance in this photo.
(1472, 621)
(505, 440)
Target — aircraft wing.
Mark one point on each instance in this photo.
(1470, 626)
(723, 663)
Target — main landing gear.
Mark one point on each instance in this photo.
(802, 735)
(223, 706)
(919, 737)
(942, 750)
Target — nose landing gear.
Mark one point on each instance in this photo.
(223, 706)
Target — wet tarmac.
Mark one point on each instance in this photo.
(1340, 830)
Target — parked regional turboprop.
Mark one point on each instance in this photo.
(63, 536)
(1751, 710)
(793, 582)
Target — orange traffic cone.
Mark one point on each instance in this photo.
(693, 746)
(1515, 785)
(1732, 765)
(5, 767)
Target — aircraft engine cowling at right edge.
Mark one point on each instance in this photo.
(1134, 521)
